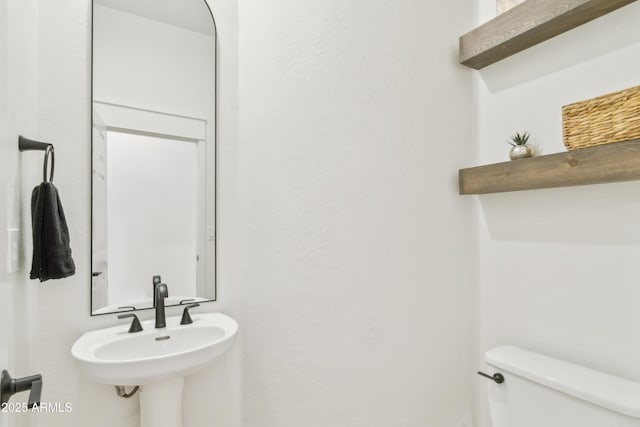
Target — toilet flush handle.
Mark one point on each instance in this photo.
(497, 377)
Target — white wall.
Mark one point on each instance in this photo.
(6, 311)
(52, 90)
(18, 101)
(357, 264)
(558, 268)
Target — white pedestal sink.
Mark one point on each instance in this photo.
(155, 359)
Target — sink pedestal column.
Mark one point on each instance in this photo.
(161, 403)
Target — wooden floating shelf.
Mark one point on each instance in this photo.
(596, 165)
(526, 25)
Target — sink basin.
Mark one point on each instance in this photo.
(115, 357)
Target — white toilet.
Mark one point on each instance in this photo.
(540, 391)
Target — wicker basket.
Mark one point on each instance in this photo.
(614, 117)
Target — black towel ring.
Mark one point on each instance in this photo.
(48, 151)
(25, 144)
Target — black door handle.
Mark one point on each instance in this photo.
(497, 377)
(10, 386)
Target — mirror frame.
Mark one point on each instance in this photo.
(216, 171)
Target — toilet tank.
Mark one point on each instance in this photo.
(540, 391)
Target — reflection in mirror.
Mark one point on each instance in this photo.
(153, 152)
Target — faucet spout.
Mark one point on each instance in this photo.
(161, 292)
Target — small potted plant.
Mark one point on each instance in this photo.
(519, 147)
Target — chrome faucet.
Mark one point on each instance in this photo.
(161, 292)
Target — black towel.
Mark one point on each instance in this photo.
(51, 250)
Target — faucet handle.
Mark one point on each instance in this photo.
(186, 317)
(135, 324)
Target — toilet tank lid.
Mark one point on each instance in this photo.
(611, 392)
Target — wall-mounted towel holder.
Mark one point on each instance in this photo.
(25, 144)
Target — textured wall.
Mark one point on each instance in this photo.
(357, 261)
(558, 268)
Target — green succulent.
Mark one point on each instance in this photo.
(519, 139)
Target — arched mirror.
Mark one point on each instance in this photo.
(153, 152)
